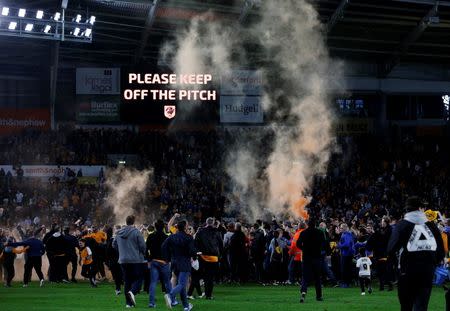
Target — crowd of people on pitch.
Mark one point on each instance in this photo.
(270, 253)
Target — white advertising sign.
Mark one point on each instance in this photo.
(54, 170)
(98, 81)
(241, 109)
(242, 82)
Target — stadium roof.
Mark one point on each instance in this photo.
(383, 32)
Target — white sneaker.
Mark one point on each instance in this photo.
(191, 297)
(117, 292)
(363, 293)
(189, 308)
(128, 306)
(41, 283)
(168, 301)
(133, 300)
(25, 285)
(202, 296)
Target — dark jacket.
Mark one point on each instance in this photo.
(112, 255)
(326, 250)
(71, 245)
(179, 248)
(311, 242)
(47, 236)
(419, 253)
(378, 242)
(154, 243)
(258, 246)
(56, 245)
(209, 241)
(237, 245)
(36, 247)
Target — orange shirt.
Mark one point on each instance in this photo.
(294, 250)
(99, 236)
(86, 256)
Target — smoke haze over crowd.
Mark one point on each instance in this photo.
(297, 74)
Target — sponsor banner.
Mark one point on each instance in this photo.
(105, 127)
(352, 126)
(88, 180)
(241, 109)
(54, 170)
(98, 81)
(92, 109)
(16, 120)
(242, 82)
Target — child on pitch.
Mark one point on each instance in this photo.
(363, 264)
(88, 267)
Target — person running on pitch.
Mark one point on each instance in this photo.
(33, 259)
(363, 264)
(88, 268)
(179, 249)
(159, 267)
(311, 243)
(130, 244)
(420, 248)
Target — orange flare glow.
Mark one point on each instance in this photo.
(299, 208)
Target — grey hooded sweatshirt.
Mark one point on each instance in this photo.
(130, 244)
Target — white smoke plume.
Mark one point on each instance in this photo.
(127, 188)
(298, 75)
(205, 47)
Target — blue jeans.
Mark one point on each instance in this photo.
(326, 269)
(158, 271)
(182, 279)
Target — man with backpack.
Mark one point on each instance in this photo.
(277, 257)
(418, 244)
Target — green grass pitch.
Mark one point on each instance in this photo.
(81, 297)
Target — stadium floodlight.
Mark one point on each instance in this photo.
(64, 4)
(29, 27)
(12, 25)
(22, 12)
(39, 14)
(57, 16)
(5, 11)
(88, 32)
(92, 20)
(78, 18)
(76, 32)
(47, 28)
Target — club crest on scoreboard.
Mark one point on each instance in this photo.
(170, 111)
